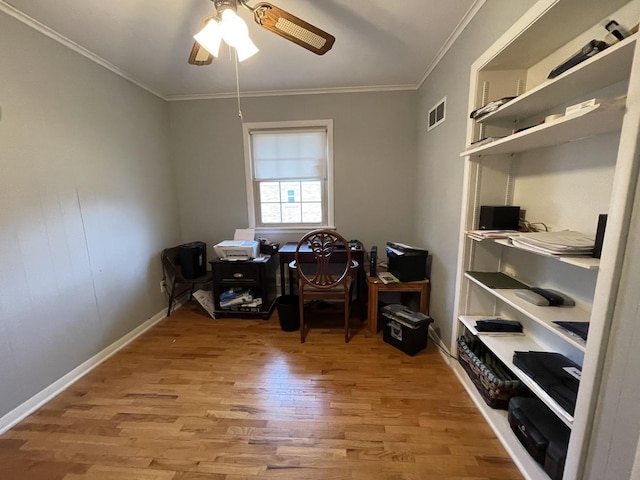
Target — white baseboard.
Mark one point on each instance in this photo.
(443, 350)
(19, 413)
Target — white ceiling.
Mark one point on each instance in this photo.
(380, 44)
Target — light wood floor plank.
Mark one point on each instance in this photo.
(231, 399)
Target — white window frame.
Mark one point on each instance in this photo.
(249, 172)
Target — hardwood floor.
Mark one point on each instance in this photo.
(231, 399)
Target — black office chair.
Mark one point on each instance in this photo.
(175, 282)
(331, 277)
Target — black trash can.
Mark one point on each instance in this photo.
(288, 312)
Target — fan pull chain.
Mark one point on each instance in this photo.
(238, 87)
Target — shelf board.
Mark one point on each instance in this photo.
(606, 68)
(497, 420)
(545, 316)
(557, 24)
(503, 347)
(588, 263)
(588, 122)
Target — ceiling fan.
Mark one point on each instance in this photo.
(225, 24)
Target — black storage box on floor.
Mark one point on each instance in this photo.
(407, 264)
(405, 329)
(541, 432)
(288, 312)
(193, 259)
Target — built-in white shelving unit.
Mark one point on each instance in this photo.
(538, 159)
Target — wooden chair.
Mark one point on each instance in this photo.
(174, 281)
(331, 277)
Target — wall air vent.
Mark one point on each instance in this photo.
(437, 114)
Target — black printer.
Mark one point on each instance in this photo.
(407, 263)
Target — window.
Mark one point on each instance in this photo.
(289, 174)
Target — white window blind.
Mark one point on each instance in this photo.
(289, 154)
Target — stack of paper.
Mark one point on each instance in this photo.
(566, 242)
(482, 234)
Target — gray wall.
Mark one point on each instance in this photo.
(439, 173)
(374, 161)
(86, 204)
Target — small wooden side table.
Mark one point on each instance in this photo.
(376, 286)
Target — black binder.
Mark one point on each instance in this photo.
(551, 371)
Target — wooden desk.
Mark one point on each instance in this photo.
(287, 253)
(376, 286)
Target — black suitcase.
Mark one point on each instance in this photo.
(542, 434)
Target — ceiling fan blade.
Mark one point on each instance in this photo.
(292, 28)
(199, 55)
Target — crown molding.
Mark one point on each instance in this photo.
(70, 44)
(283, 93)
(27, 20)
(471, 13)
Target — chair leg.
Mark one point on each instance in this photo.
(171, 298)
(301, 311)
(347, 314)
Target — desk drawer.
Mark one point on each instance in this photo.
(237, 272)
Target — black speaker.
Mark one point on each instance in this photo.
(602, 224)
(373, 261)
(499, 217)
(193, 259)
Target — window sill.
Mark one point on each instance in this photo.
(266, 231)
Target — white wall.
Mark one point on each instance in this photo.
(439, 171)
(374, 159)
(86, 204)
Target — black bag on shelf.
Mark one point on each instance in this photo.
(541, 433)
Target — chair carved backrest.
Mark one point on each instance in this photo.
(324, 244)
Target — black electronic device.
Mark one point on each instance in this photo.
(499, 217)
(406, 262)
(586, 52)
(498, 325)
(545, 297)
(550, 295)
(355, 245)
(602, 225)
(193, 259)
(373, 261)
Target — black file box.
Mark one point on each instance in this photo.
(409, 338)
(408, 265)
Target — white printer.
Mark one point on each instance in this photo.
(242, 247)
(236, 249)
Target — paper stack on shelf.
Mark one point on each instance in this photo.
(484, 234)
(566, 242)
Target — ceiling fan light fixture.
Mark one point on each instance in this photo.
(246, 49)
(210, 37)
(226, 25)
(234, 29)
